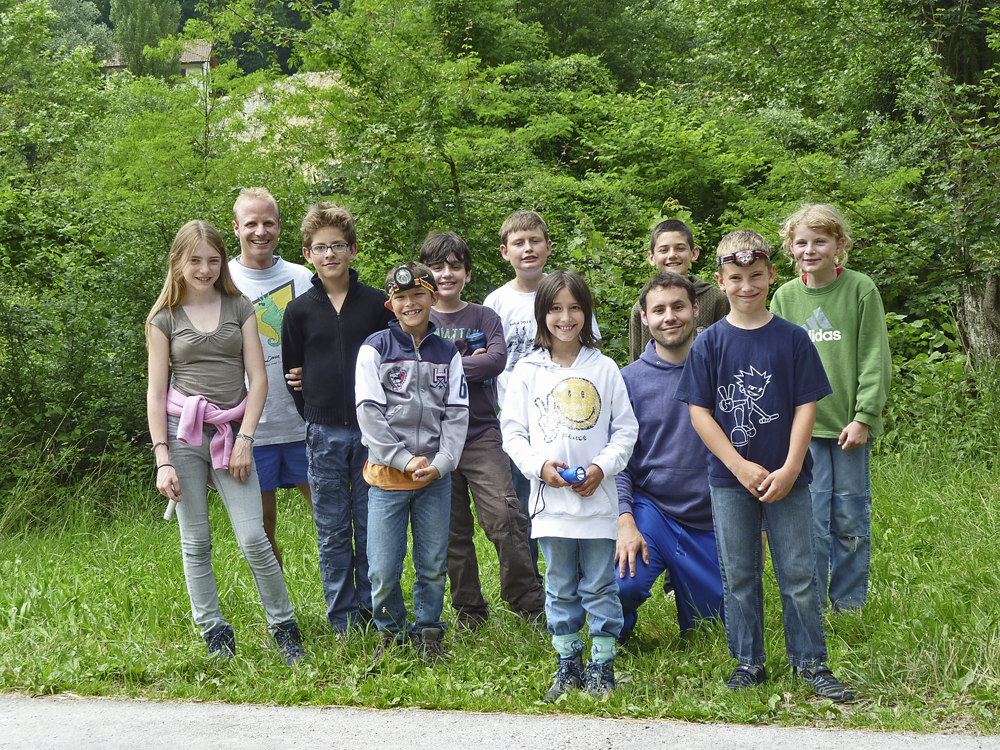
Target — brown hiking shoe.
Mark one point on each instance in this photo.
(430, 648)
(386, 643)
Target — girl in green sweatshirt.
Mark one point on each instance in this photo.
(842, 312)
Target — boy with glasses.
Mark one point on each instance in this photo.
(322, 332)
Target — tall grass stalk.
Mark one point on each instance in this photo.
(99, 608)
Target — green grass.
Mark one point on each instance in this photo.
(99, 608)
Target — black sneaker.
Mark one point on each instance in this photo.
(536, 620)
(600, 677)
(569, 675)
(746, 676)
(824, 683)
(221, 644)
(430, 648)
(470, 622)
(289, 641)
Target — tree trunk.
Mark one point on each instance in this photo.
(979, 321)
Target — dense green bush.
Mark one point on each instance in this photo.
(422, 116)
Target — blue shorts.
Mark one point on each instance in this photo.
(283, 465)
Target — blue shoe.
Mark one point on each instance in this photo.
(600, 677)
(289, 641)
(221, 644)
(569, 676)
(824, 683)
(746, 676)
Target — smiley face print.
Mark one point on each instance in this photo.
(574, 403)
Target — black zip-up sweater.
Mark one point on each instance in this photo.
(325, 344)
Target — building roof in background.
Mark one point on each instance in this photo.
(195, 51)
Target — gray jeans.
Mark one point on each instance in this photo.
(242, 500)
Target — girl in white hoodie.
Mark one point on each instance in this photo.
(566, 408)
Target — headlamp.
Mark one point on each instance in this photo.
(744, 258)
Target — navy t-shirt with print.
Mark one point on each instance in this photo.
(752, 380)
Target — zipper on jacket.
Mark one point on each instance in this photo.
(420, 412)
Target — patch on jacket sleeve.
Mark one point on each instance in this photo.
(439, 379)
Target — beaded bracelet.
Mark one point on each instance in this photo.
(157, 445)
(248, 438)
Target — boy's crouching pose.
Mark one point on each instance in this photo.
(413, 409)
(751, 383)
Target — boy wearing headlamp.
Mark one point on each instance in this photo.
(751, 383)
(413, 409)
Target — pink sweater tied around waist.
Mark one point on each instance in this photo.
(194, 412)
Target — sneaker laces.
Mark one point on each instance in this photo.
(289, 641)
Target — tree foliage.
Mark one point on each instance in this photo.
(78, 24)
(605, 118)
(143, 23)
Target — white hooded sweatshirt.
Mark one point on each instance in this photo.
(580, 415)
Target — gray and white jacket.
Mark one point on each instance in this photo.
(411, 401)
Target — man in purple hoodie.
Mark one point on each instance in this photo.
(665, 512)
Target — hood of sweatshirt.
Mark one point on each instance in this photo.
(541, 357)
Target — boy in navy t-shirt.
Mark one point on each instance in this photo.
(752, 382)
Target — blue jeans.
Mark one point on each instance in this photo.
(340, 510)
(427, 511)
(737, 516)
(691, 558)
(842, 510)
(579, 584)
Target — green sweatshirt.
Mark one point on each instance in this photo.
(846, 322)
(713, 305)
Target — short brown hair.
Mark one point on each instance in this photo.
(521, 220)
(440, 245)
(328, 214)
(668, 280)
(671, 225)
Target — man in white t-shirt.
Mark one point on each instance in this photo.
(271, 283)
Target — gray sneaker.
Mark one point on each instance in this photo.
(569, 676)
(824, 683)
(289, 642)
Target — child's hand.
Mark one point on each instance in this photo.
(550, 474)
(294, 378)
(426, 474)
(422, 470)
(167, 483)
(586, 488)
(751, 476)
(777, 484)
(854, 436)
(241, 460)
(416, 463)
